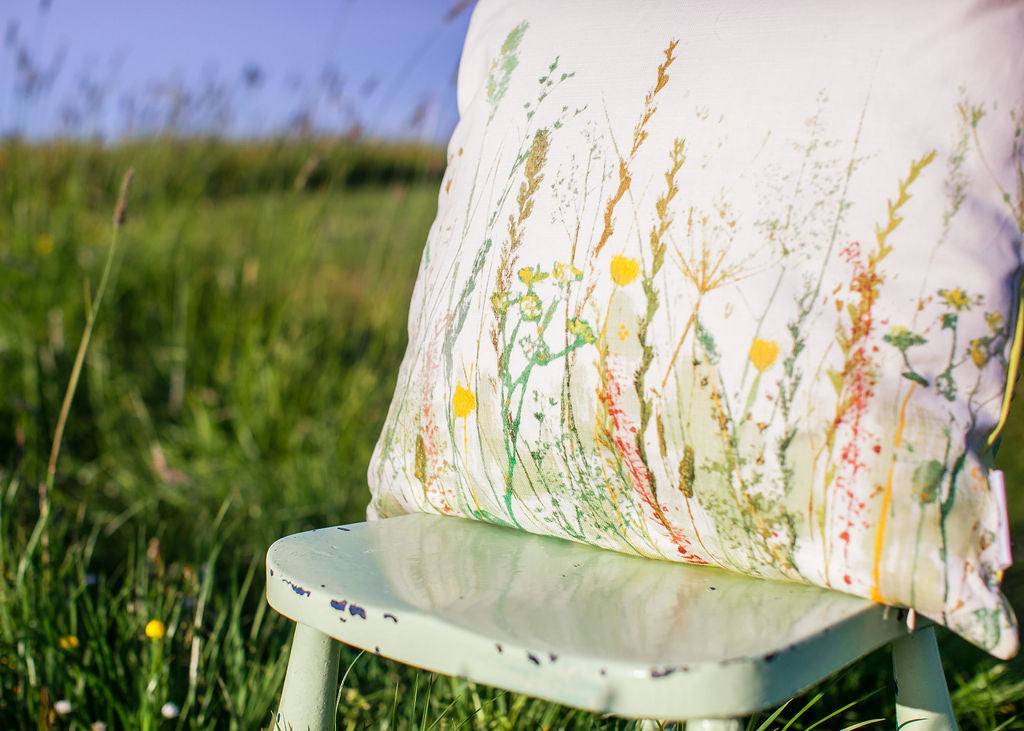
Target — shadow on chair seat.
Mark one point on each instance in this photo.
(573, 624)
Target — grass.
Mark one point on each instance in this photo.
(239, 370)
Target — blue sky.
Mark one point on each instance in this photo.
(247, 67)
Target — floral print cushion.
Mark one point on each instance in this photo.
(729, 283)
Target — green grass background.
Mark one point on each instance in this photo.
(240, 369)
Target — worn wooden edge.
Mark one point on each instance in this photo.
(384, 624)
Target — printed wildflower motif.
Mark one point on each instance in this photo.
(535, 160)
(500, 302)
(979, 351)
(155, 629)
(463, 402)
(68, 642)
(530, 276)
(956, 298)
(901, 338)
(582, 331)
(702, 449)
(763, 353)
(624, 269)
(567, 273)
(530, 307)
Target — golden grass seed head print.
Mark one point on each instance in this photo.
(763, 353)
(624, 269)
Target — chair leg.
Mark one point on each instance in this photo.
(310, 684)
(697, 724)
(922, 698)
(713, 724)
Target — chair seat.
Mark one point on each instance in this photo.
(570, 623)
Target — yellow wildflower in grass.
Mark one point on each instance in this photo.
(956, 298)
(44, 244)
(763, 353)
(155, 629)
(463, 402)
(68, 642)
(624, 269)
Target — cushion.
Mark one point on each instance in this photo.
(729, 283)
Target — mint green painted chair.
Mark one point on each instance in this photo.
(578, 625)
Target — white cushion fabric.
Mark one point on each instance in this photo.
(730, 283)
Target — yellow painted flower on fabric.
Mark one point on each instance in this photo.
(155, 629)
(956, 298)
(994, 320)
(68, 642)
(979, 353)
(500, 301)
(463, 402)
(530, 306)
(581, 330)
(763, 353)
(567, 272)
(530, 276)
(624, 269)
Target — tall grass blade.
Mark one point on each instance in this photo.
(807, 706)
(843, 709)
(120, 215)
(768, 721)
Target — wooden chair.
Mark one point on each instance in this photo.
(577, 625)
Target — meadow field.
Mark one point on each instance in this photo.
(249, 322)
